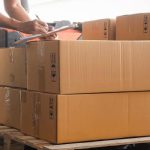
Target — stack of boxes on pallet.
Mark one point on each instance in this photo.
(73, 91)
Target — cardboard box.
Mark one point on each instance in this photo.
(13, 67)
(133, 27)
(10, 110)
(70, 67)
(29, 118)
(87, 117)
(103, 29)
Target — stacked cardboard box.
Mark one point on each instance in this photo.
(71, 70)
(78, 90)
(102, 29)
(12, 74)
(133, 27)
(71, 67)
(126, 27)
(86, 117)
(13, 67)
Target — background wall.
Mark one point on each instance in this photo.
(82, 10)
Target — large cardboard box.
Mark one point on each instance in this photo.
(70, 67)
(133, 27)
(10, 110)
(86, 117)
(102, 29)
(13, 67)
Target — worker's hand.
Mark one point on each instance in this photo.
(51, 36)
(33, 27)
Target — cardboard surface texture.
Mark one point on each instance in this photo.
(13, 67)
(86, 117)
(102, 29)
(29, 118)
(10, 107)
(70, 67)
(133, 27)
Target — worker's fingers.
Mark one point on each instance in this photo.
(54, 35)
(40, 27)
(42, 24)
(40, 30)
(50, 37)
(51, 28)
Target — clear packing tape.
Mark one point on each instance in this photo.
(41, 65)
(36, 113)
(7, 106)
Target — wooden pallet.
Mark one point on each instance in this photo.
(12, 139)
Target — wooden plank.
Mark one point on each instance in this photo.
(98, 144)
(9, 135)
(37, 144)
(4, 131)
(3, 127)
(13, 134)
(8, 130)
(22, 139)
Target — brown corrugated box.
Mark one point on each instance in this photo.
(10, 110)
(69, 67)
(133, 27)
(13, 67)
(87, 117)
(102, 29)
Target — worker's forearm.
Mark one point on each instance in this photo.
(8, 22)
(15, 10)
(30, 27)
(19, 13)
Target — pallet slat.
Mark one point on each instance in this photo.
(98, 144)
(10, 135)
